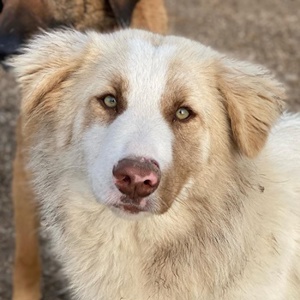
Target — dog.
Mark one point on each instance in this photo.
(20, 20)
(164, 169)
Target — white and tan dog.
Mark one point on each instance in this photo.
(163, 168)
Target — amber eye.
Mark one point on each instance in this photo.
(182, 113)
(110, 101)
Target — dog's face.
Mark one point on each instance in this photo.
(137, 120)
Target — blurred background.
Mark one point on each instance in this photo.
(262, 31)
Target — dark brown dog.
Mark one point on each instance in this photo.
(18, 21)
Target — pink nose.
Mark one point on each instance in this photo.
(137, 178)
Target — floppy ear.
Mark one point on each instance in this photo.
(254, 101)
(44, 65)
(143, 14)
(123, 10)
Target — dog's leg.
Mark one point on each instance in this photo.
(27, 270)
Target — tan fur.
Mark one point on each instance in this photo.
(27, 261)
(154, 17)
(226, 225)
(252, 121)
(149, 15)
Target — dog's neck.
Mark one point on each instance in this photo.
(206, 231)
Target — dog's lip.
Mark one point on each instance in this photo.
(129, 208)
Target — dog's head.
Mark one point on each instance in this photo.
(138, 120)
(20, 19)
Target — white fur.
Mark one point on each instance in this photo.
(140, 131)
(232, 233)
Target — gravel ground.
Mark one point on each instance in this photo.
(263, 31)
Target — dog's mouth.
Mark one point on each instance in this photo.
(133, 206)
(130, 208)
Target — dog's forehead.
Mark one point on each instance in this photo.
(147, 70)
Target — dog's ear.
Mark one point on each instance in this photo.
(44, 65)
(123, 10)
(254, 101)
(142, 14)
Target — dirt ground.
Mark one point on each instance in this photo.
(263, 31)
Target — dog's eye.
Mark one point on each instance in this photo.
(110, 101)
(183, 113)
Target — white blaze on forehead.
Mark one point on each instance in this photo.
(147, 71)
(147, 74)
(141, 130)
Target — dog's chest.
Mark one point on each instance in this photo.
(117, 261)
(105, 264)
(108, 258)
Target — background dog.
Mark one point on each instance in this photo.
(22, 18)
(163, 168)
(261, 33)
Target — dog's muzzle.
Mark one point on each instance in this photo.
(136, 178)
